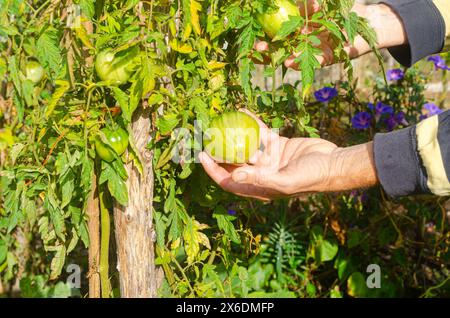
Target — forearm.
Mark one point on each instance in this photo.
(352, 168)
(410, 29)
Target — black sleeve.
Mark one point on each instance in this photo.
(425, 30)
(415, 160)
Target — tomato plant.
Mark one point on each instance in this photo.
(271, 22)
(117, 141)
(232, 137)
(162, 70)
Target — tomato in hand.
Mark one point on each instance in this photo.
(232, 138)
(34, 72)
(118, 140)
(272, 22)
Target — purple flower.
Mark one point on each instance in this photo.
(428, 110)
(395, 74)
(361, 120)
(324, 95)
(439, 62)
(394, 120)
(432, 109)
(231, 212)
(381, 109)
(391, 123)
(401, 119)
(360, 196)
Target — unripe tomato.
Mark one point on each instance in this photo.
(34, 72)
(115, 68)
(271, 22)
(118, 139)
(232, 138)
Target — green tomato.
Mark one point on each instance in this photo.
(232, 138)
(34, 72)
(271, 22)
(116, 68)
(118, 140)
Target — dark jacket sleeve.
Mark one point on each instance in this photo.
(415, 160)
(425, 28)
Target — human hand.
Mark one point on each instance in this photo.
(290, 167)
(386, 24)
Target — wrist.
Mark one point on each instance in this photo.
(385, 22)
(352, 168)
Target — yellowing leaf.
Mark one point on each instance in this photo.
(180, 47)
(82, 34)
(214, 65)
(175, 244)
(195, 20)
(6, 139)
(63, 87)
(193, 238)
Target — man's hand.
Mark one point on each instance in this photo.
(387, 25)
(290, 167)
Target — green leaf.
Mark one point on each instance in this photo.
(160, 229)
(3, 251)
(123, 101)
(224, 221)
(288, 27)
(58, 261)
(117, 187)
(67, 188)
(351, 26)
(246, 67)
(356, 285)
(167, 123)
(49, 50)
(308, 63)
(87, 8)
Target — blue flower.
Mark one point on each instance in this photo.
(431, 109)
(395, 74)
(231, 212)
(362, 120)
(390, 123)
(324, 95)
(439, 62)
(381, 109)
(401, 119)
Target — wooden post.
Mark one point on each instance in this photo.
(134, 223)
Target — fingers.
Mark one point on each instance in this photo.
(222, 176)
(262, 178)
(216, 172)
(261, 46)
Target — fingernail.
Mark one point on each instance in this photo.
(240, 176)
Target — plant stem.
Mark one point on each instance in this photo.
(104, 244)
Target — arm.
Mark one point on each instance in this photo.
(415, 160)
(410, 29)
